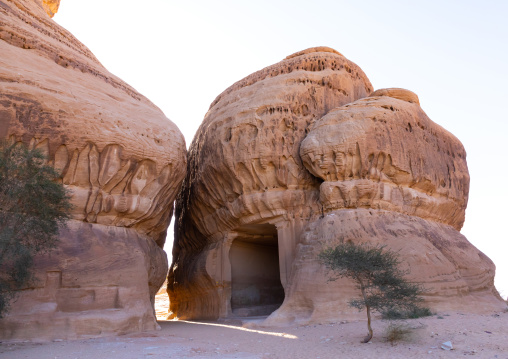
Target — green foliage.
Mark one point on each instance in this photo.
(412, 313)
(32, 207)
(382, 284)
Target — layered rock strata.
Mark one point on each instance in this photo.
(123, 162)
(302, 155)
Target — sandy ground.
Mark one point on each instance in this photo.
(480, 336)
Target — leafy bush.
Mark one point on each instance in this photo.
(32, 207)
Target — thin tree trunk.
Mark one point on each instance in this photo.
(371, 333)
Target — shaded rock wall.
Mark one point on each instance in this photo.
(121, 158)
(101, 280)
(303, 142)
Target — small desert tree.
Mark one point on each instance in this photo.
(382, 284)
(32, 207)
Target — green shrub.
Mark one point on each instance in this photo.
(375, 271)
(412, 313)
(32, 208)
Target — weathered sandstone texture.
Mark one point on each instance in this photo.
(456, 275)
(385, 153)
(300, 156)
(246, 182)
(123, 162)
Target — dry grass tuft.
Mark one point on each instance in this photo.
(398, 333)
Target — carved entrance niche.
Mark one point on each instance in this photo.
(256, 287)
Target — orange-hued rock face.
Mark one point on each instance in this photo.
(398, 93)
(299, 142)
(117, 153)
(51, 6)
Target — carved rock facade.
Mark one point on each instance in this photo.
(299, 156)
(121, 158)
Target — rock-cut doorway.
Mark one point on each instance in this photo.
(256, 288)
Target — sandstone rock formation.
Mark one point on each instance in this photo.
(455, 274)
(302, 155)
(391, 177)
(51, 6)
(384, 152)
(246, 182)
(121, 158)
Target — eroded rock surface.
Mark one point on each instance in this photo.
(302, 155)
(246, 181)
(121, 158)
(384, 152)
(455, 274)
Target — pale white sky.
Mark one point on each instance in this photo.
(453, 54)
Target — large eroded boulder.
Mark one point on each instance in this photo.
(303, 155)
(391, 177)
(384, 152)
(121, 158)
(455, 275)
(247, 184)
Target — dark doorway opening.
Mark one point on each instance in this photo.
(256, 288)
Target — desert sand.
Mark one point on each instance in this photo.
(480, 336)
